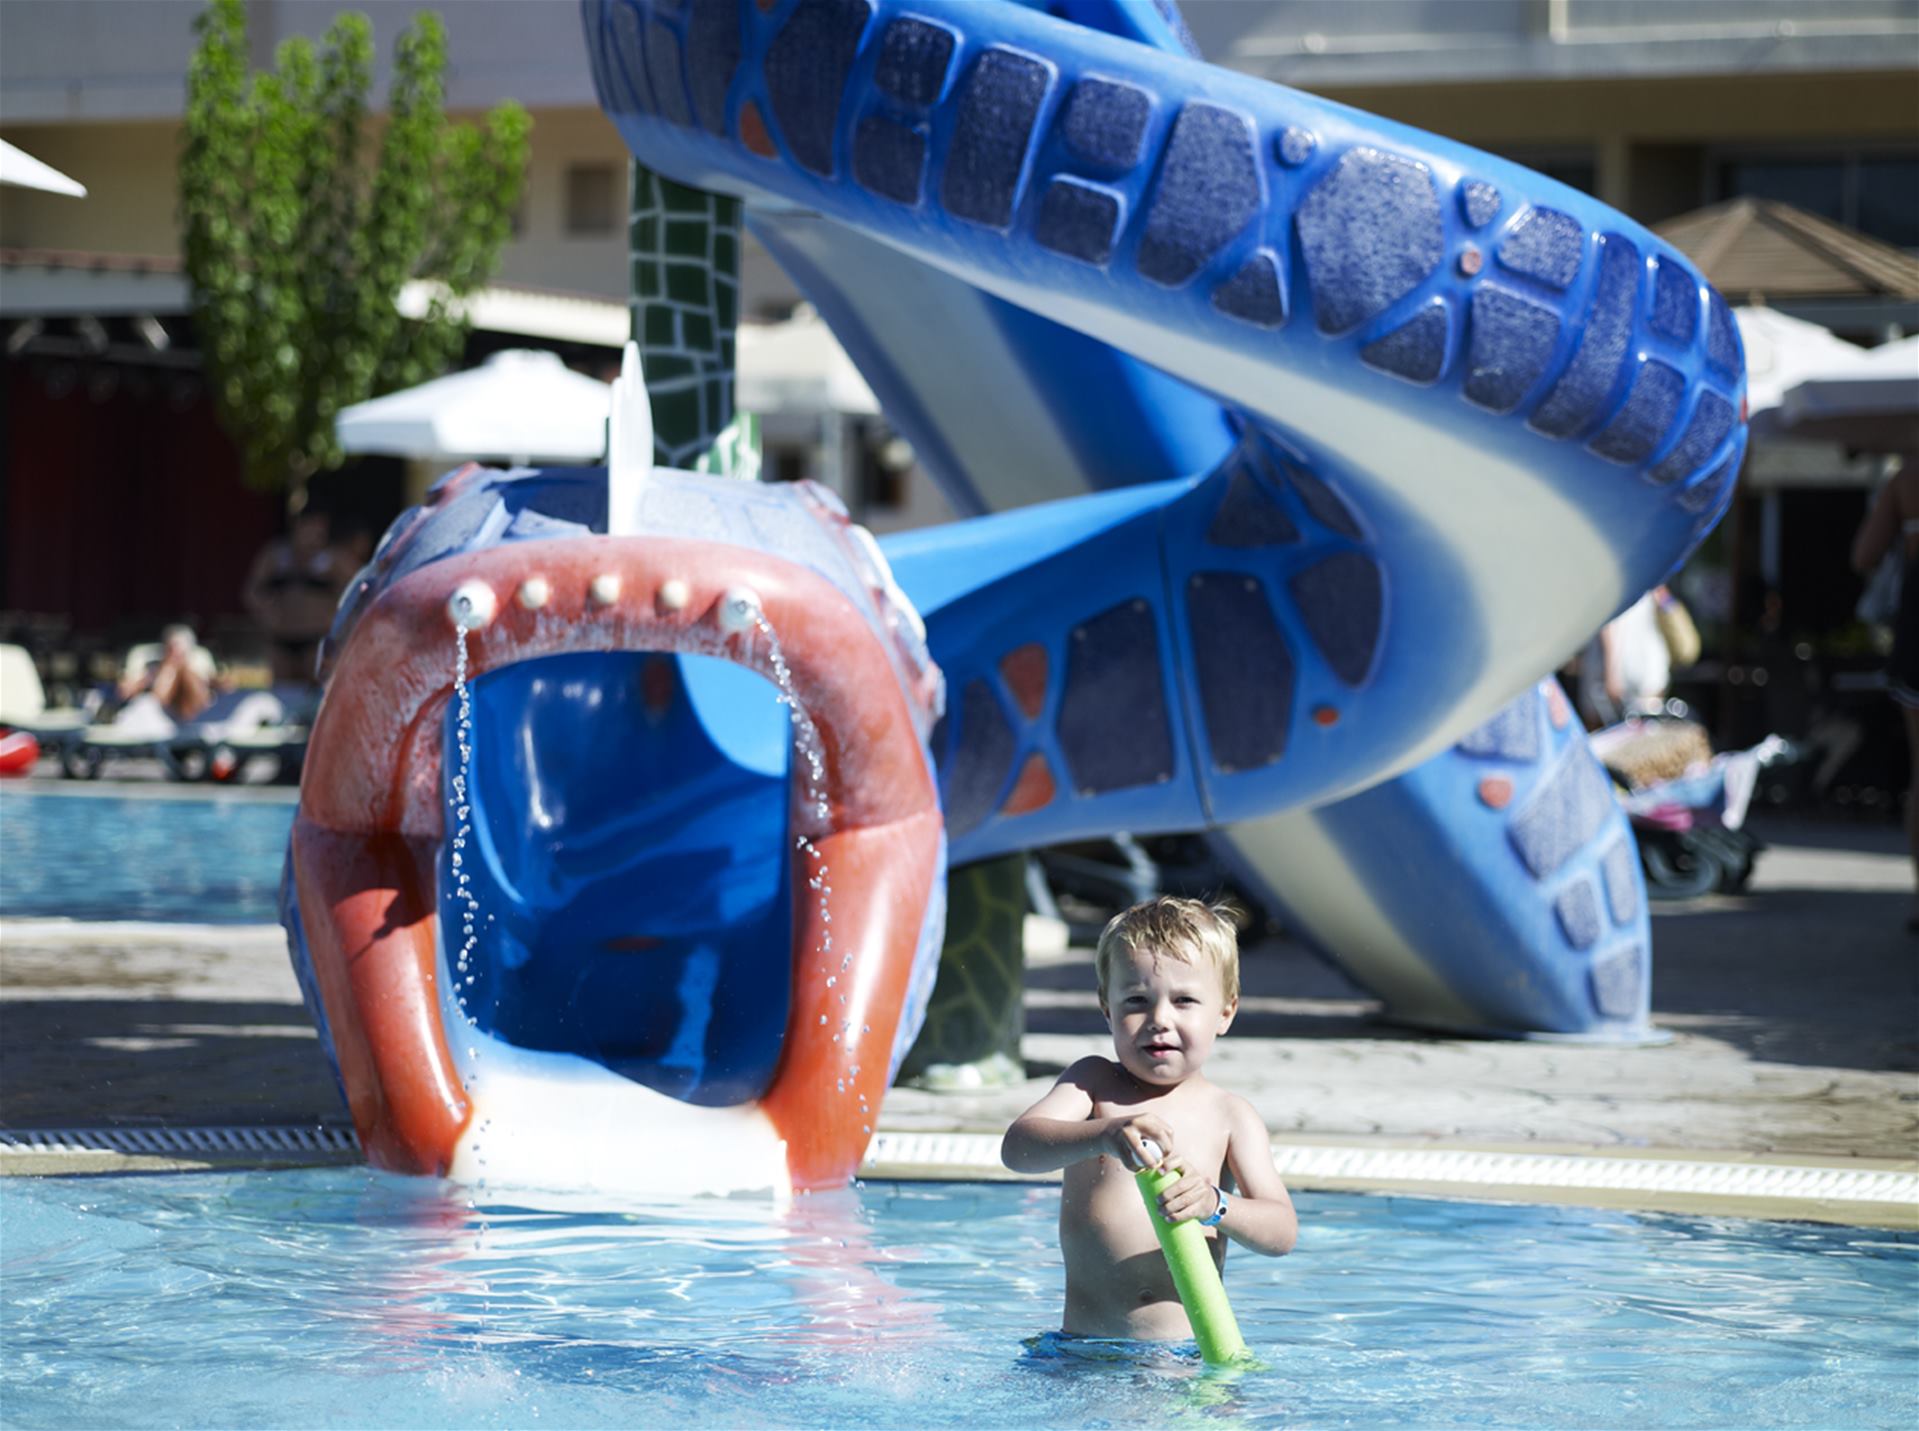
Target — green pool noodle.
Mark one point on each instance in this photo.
(1195, 1277)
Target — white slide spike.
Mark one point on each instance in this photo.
(629, 445)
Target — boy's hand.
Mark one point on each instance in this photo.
(1192, 1196)
(1127, 1137)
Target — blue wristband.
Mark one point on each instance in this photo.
(1218, 1212)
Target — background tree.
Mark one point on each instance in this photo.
(296, 248)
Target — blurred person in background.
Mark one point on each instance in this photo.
(292, 590)
(1890, 534)
(175, 683)
(1628, 667)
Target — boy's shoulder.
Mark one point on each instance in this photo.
(1093, 1072)
(1223, 1103)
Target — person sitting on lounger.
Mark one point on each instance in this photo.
(179, 688)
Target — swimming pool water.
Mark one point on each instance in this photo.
(192, 859)
(343, 1297)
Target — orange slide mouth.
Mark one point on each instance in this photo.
(368, 842)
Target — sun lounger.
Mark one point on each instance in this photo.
(237, 727)
(23, 702)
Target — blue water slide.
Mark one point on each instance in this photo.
(1473, 925)
(1353, 432)
(1490, 926)
(1529, 403)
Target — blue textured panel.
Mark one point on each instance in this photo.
(712, 55)
(1415, 350)
(1295, 145)
(912, 62)
(1479, 202)
(1703, 493)
(454, 525)
(1657, 391)
(1208, 190)
(1325, 504)
(981, 762)
(1104, 123)
(1176, 22)
(1722, 337)
(1113, 724)
(889, 159)
(1619, 866)
(1578, 911)
(1002, 95)
(1563, 813)
(1371, 233)
(806, 68)
(1619, 982)
(1256, 294)
(1711, 421)
(1244, 671)
(1509, 344)
(1675, 302)
(1341, 600)
(560, 502)
(1582, 390)
(1547, 245)
(663, 70)
(530, 525)
(1513, 734)
(627, 54)
(1249, 517)
(1077, 220)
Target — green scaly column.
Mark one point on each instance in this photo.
(684, 247)
(684, 251)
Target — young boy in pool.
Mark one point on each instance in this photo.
(1169, 986)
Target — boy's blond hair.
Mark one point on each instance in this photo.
(1189, 930)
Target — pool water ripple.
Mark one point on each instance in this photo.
(191, 859)
(346, 1297)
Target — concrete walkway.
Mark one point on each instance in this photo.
(1793, 1011)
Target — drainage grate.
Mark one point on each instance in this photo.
(961, 1153)
(167, 1142)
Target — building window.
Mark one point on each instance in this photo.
(1576, 168)
(1886, 198)
(1873, 191)
(788, 464)
(886, 463)
(592, 202)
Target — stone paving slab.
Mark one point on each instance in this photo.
(1793, 1011)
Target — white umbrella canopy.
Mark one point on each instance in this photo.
(1805, 383)
(1872, 405)
(1783, 352)
(20, 168)
(521, 405)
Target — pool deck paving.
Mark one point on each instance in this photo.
(1791, 1013)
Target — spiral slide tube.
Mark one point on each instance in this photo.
(1494, 890)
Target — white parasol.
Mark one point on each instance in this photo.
(519, 405)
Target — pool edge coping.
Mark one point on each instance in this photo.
(1862, 1192)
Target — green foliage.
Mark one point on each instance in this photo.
(296, 248)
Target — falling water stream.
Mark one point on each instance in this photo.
(462, 809)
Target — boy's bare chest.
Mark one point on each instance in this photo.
(1198, 1129)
